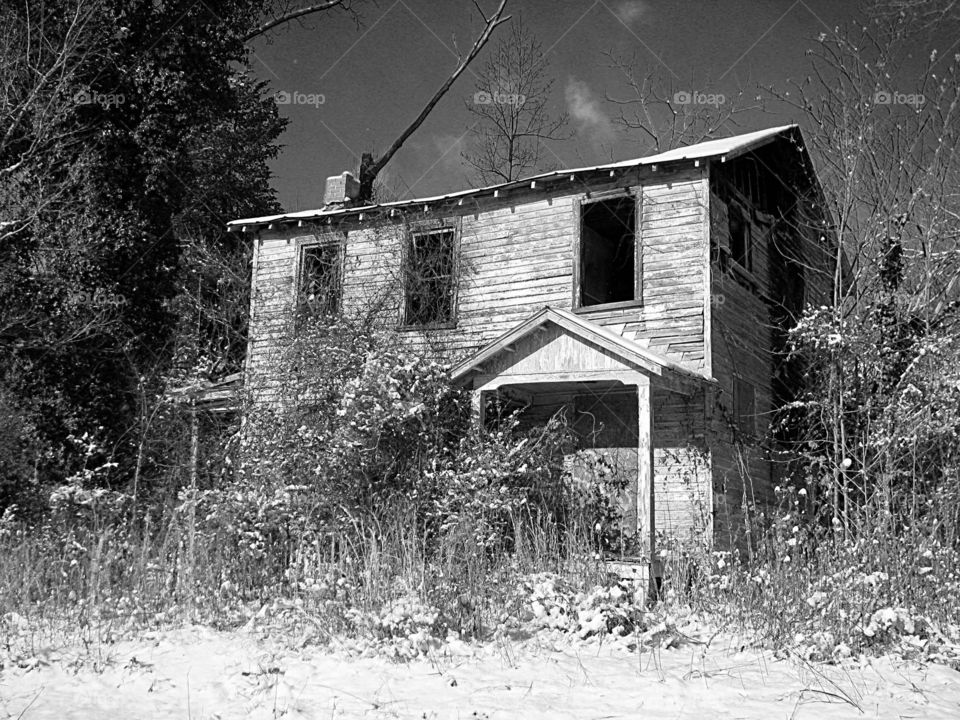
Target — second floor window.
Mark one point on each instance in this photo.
(608, 252)
(429, 277)
(320, 281)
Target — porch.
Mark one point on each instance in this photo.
(612, 389)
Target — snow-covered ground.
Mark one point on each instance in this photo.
(198, 673)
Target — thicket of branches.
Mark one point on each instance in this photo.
(128, 138)
(131, 132)
(880, 420)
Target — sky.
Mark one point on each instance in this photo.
(354, 86)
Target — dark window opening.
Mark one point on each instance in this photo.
(320, 281)
(746, 179)
(429, 282)
(608, 249)
(740, 238)
(744, 406)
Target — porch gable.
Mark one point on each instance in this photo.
(558, 346)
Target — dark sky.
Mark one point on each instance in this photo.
(374, 78)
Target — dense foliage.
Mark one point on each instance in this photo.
(130, 135)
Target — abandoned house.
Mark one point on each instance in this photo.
(649, 298)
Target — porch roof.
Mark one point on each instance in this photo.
(627, 351)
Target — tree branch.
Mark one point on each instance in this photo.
(370, 168)
(292, 15)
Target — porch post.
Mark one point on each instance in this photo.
(645, 491)
(476, 408)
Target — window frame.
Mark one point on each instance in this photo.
(579, 206)
(304, 245)
(413, 230)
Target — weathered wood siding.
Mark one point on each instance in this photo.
(681, 471)
(748, 320)
(673, 238)
(514, 258)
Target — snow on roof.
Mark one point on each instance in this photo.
(727, 148)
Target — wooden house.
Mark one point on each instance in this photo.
(648, 297)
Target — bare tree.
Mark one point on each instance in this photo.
(882, 409)
(666, 115)
(510, 109)
(43, 52)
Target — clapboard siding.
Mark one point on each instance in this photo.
(514, 259)
(672, 242)
(682, 470)
(747, 335)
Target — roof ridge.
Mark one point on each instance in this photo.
(727, 146)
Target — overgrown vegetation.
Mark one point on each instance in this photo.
(358, 498)
(360, 485)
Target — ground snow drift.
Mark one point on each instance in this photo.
(199, 673)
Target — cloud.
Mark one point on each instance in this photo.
(446, 151)
(631, 11)
(586, 112)
(437, 168)
(448, 145)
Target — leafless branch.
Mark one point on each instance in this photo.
(922, 15)
(667, 116)
(369, 168)
(293, 15)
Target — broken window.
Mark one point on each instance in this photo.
(608, 252)
(429, 279)
(744, 406)
(740, 237)
(319, 295)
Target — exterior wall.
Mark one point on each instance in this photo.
(750, 313)
(681, 471)
(741, 343)
(514, 258)
(673, 244)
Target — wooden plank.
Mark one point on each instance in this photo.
(646, 508)
(493, 381)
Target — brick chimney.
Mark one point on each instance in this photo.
(341, 190)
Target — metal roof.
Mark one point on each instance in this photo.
(725, 148)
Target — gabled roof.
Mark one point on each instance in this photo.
(620, 346)
(723, 148)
